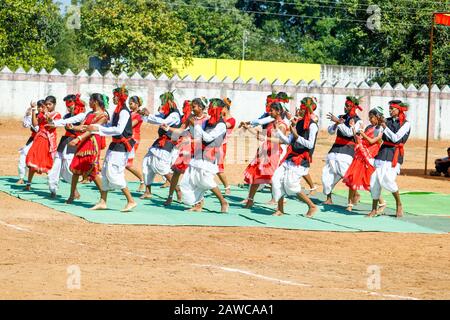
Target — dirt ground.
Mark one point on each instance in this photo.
(40, 246)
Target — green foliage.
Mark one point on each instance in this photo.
(28, 29)
(137, 35)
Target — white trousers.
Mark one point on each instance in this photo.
(195, 183)
(113, 171)
(384, 177)
(335, 168)
(153, 165)
(22, 167)
(286, 180)
(60, 169)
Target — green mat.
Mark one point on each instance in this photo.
(415, 203)
(152, 212)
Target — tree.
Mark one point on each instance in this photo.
(136, 35)
(28, 30)
(216, 27)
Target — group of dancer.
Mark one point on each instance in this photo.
(191, 145)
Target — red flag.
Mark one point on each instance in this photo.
(442, 18)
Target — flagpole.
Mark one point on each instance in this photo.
(430, 83)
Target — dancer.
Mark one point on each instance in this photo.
(135, 103)
(368, 142)
(64, 154)
(113, 171)
(230, 122)
(41, 154)
(299, 114)
(390, 157)
(341, 154)
(268, 156)
(185, 143)
(296, 163)
(199, 177)
(158, 159)
(86, 162)
(27, 123)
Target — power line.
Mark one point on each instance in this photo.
(338, 7)
(216, 8)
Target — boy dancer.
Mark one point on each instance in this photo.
(341, 154)
(301, 141)
(390, 157)
(113, 171)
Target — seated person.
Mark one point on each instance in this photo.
(442, 166)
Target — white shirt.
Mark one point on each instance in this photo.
(307, 143)
(171, 120)
(77, 118)
(395, 137)
(109, 130)
(346, 131)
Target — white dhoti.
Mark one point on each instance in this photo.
(334, 170)
(198, 178)
(156, 161)
(22, 167)
(113, 170)
(383, 177)
(60, 169)
(286, 180)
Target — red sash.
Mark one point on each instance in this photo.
(343, 141)
(298, 157)
(399, 150)
(125, 141)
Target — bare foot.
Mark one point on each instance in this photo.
(141, 187)
(278, 213)
(146, 196)
(249, 204)
(372, 214)
(399, 213)
(224, 207)
(166, 184)
(100, 206)
(311, 212)
(20, 181)
(168, 201)
(129, 207)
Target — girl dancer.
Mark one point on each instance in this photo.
(41, 154)
(268, 156)
(368, 144)
(27, 123)
(86, 162)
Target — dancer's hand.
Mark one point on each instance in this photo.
(333, 118)
(92, 128)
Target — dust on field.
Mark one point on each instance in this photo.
(153, 262)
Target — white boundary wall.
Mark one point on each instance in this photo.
(18, 88)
